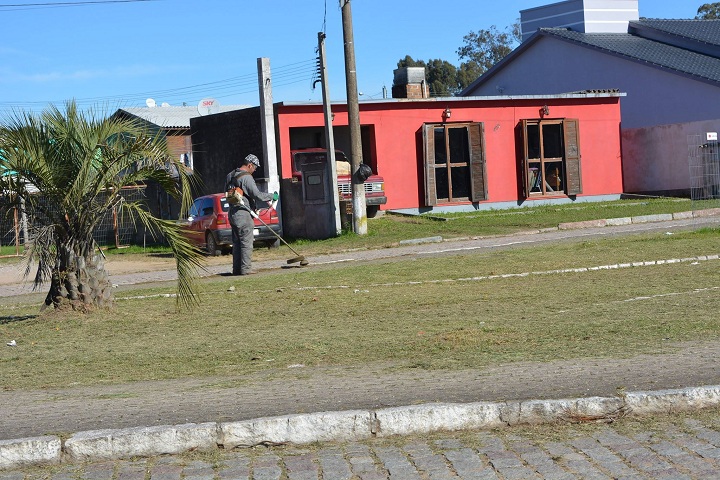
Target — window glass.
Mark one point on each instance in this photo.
(533, 141)
(460, 181)
(207, 207)
(440, 156)
(552, 140)
(195, 208)
(442, 188)
(459, 152)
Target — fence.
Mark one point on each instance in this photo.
(114, 229)
(704, 162)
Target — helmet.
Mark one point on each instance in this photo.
(252, 159)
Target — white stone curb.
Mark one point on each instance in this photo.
(141, 442)
(418, 419)
(351, 425)
(29, 451)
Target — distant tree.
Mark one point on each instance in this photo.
(442, 78)
(709, 11)
(468, 73)
(441, 75)
(482, 50)
(408, 61)
(487, 47)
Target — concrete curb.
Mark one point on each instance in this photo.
(353, 425)
(662, 217)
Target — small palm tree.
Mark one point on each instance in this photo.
(66, 168)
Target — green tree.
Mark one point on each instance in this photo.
(440, 75)
(76, 164)
(487, 47)
(709, 11)
(441, 78)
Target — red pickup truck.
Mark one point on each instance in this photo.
(374, 184)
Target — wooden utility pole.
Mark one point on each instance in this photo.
(329, 137)
(358, 185)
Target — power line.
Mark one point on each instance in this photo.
(70, 4)
(285, 75)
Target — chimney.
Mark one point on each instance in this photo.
(409, 82)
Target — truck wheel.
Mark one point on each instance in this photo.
(372, 211)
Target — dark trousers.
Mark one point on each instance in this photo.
(242, 235)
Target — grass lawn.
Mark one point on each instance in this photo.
(449, 312)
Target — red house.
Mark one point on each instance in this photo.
(470, 153)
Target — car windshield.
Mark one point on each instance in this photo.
(304, 158)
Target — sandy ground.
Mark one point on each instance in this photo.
(12, 269)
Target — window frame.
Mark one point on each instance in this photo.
(572, 173)
(476, 163)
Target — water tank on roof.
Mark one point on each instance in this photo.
(408, 75)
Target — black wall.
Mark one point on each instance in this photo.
(220, 142)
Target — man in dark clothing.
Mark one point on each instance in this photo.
(240, 219)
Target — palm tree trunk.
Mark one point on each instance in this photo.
(80, 282)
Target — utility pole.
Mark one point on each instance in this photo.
(358, 184)
(329, 137)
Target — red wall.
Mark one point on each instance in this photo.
(398, 150)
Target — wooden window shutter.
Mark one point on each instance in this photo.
(524, 161)
(478, 168)
(573, 171)
(429, 157)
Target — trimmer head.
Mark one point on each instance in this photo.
(299, 259)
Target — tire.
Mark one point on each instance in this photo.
(272, 243)
(372, 211)
(211, 245)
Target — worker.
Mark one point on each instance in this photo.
(241, 220)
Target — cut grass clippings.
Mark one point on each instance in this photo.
(434, 313)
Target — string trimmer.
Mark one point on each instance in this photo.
(298, 257)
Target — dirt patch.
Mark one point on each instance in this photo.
(12, 271)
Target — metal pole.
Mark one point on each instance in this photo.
(358, 187)
(329, 137)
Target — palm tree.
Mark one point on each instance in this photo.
(67, 168)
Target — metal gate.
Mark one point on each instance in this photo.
(704, 162)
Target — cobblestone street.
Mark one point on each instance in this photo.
(686, 447)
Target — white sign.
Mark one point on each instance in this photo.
(711, 136)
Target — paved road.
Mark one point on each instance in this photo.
(672, 448)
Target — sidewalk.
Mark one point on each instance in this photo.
(148, 418)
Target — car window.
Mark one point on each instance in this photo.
(195, 208)
(207, 207)
(224, 204)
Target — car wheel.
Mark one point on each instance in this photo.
(211, 245)
(272, 243)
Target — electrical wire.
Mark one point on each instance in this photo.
(34, 6)
(282, 76)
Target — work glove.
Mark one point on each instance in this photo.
(275, 196)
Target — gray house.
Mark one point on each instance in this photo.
(669, 69)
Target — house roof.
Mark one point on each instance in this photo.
(685, 47)
(172, 117)
(702, 31)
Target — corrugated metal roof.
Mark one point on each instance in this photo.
(172, 116)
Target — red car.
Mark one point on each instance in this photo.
(208, 226)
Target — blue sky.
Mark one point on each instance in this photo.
(120, 53)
